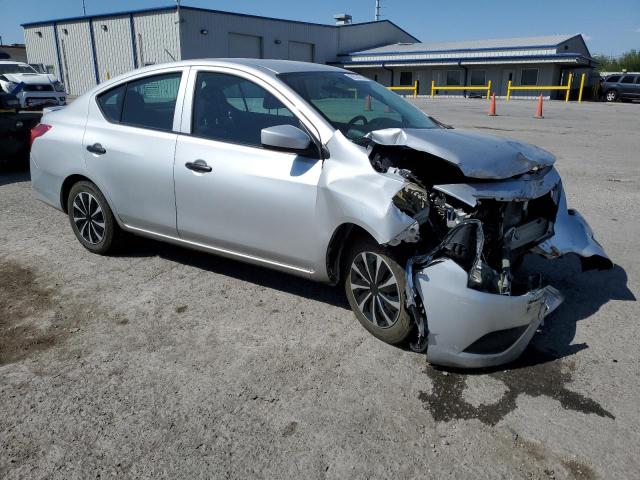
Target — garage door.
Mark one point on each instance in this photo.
(245, 46)
(301, 51)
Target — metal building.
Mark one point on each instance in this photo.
(529, 61)
(84, 51)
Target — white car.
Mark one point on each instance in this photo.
(32, 89)
(322, 173)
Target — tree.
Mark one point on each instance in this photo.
(629, 61)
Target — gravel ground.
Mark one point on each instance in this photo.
(162, 362)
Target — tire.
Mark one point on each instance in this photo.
(611, 96)
(98, 230)
(381, 310)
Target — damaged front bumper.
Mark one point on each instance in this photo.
(461, 322)
(469, 328)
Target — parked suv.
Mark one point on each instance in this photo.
(33, 89)
(621, 86)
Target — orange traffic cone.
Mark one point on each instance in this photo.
(539, 109)
(367, 103)
(492, 106)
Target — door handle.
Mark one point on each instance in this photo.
(97, 149)
(198, 166)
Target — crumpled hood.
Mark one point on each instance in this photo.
(30, 78)
(476, 155)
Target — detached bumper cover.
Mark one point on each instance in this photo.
(462, 319)
(572, 234)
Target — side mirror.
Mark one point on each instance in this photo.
(285, 137)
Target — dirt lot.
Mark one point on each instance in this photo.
(162, 362)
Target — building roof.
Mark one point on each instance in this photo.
(470, 45)
(545, 49)
(174, 8)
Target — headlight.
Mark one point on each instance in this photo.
(9, 86)
(59, 87)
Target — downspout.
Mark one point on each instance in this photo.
(466, 74)
(389, 70)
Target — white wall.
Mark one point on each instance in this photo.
(77, 57)
(42, 49)
(157, 37)
(114, 49)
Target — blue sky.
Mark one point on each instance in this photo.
(608, 30)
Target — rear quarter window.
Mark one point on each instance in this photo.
(110, 103)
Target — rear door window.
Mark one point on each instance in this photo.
(151, 101)
(627, 79)
(148, 103)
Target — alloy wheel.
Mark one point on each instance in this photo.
(88, 218)
(375, 289)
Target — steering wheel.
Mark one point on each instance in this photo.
(351, 123)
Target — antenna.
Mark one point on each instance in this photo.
(84, 9)
(377, 17)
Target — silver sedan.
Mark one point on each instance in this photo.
(322, 173)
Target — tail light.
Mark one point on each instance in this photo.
(38, 131)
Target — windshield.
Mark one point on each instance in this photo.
(354, 104)
(15, 68)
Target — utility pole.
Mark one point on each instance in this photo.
(84, 9)
(377, 17)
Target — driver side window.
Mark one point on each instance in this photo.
(232, 109)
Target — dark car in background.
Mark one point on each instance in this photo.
(621, 87)
(15, 132)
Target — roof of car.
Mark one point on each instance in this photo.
(12, 62)
(275, 66)
(268, 66)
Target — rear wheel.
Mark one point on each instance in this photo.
(374, 283)
(91, 218)
(611, 96)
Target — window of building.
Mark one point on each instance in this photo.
(478, 77)
(150, 102)
(529, 76)
(406, 78)
(627, 79)
(232, 109)
(453, 77)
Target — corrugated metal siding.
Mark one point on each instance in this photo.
(357, 37)
(300, 51)
(275, 35)
(42, 49)
(113, 46)
(77, 57)
(157, 37)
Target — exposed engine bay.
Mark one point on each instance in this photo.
(468, 236)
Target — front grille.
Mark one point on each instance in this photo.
(38, 88)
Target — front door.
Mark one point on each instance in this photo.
(507, 75)
(129, 147)
(243, 199)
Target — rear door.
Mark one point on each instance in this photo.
(253, 202)
(129, 146)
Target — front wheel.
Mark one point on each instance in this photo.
(374, 284)
(611, 96)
